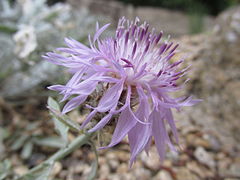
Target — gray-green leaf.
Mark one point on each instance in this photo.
(55, 111)
(5, 167)
(19, 142)
(53, 104)
(62, 129)
(27, 150)
(92, 175)
(42, 174)
(55, 142)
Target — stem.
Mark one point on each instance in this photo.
(75, 144)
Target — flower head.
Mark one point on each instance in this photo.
(135, 70)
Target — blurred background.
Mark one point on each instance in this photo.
(209, 35)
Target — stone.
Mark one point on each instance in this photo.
(215, 79)
(184, 158)
(204, 157)
(111, 155)
(162, 175)
(171, 22)
(125, 176)
(223, 166)
(104, 171)
(141, 173)
(122, 156)
(229, 33)
(79, 168)
(122, 168)
(21, 170)
(152, 161)
(113, 164)
(57, 167)
(168, 162)
(234, 169)
(213, 142)
(186, 174)
(195, 140)
(201, 171)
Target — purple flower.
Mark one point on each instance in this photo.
(134, 68)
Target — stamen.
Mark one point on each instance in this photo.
(162, 48)
(158, 37)
(173, 49)
(159, 73)
(129, 64)
(134, 49)
(126, 38)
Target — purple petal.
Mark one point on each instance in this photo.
(138, 138)
(111, 97)
(85, 88)
(125, 123)
(57, 87)
(101, 123)
(170, 120)
(190, 102)
(68, 90)
(100, 31)
(88, 118)
(75, 44)
(148, 145)
(73, 103)
(139, 135)
(158, 132)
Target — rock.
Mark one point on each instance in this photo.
(171, 22)
(63, 174)
(184, 158)
(141, 173)
(228, 33)
(162, 175)
(234, 169)
(187, 128)
(119, 155)
(111, 155)
(104, 171)
(122, 168)
(21, 170)
(213, 141)
(102, 160)
(215, 79)
(202, 172)
(195, 140)
(204, 157)
(183, 173)
(113, 164)
(122, 156)
(152, 161)
(79, 168)
(57, 167)
(168, 162)
(223, 166)
(121, 177)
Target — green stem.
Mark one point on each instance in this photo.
(75, 144)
